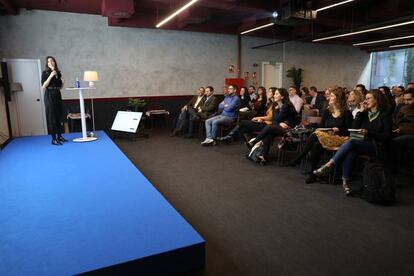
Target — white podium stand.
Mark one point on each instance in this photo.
(84, 137)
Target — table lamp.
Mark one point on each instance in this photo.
(91, 76)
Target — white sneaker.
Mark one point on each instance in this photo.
(207, 141)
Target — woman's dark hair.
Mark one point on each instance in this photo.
(264, 91)
(56, 65)
(285, 100)
(305, 90)
(388, 95)
(382, 101)
(245, 89)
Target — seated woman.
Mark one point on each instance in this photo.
(244, 98)
(257, 107)
(338, 118)
(284, 116)
(256, 123)
(376, 125)
(355, 102)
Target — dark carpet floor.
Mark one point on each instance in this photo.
(266, 221)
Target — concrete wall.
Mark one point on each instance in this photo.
(130, 61)
(149, 62)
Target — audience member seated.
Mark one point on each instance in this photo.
(190, 109)
(284, 116)
(387, 92)
(361, 88)
(252, 93)
(228, 107)
(204, 111)
(338, 119)
(376, 125)
(257, 107)
(256, 123)
(398, 92)
(295, 99)
(317, 101)
(244, 98)
(306, 97)
(405, 125)
(355, 102)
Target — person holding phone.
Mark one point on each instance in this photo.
(52, 82)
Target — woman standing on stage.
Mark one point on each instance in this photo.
(52, 82)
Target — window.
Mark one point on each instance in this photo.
(392, 68)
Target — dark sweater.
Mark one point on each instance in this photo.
(285, 114)
(245, 101)
(343, 123)
(379, 129)
(405, 120)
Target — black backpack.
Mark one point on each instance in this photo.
(378, 183)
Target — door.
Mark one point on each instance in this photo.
(27, 107)
(272, 74)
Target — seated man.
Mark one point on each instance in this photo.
(318, 100)
(228, 115)
(405, 125)
(204, 110)
(187, 110)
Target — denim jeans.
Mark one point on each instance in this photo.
(351, 149)
(213, 123)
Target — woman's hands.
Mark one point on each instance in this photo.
(283, 125)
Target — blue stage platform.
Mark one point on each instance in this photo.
(84, 207)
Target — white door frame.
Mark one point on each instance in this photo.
(273, 63)
(41, 93)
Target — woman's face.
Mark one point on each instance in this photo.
(277, 97)
(332, 99)
(242, 91)
(382, 90)
(269, 94)
(351, 96)
(260, 92)
(327, 94)
(370, 101)
(51, 63)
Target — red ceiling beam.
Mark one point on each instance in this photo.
(9, 6)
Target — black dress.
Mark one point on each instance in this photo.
(53, 102)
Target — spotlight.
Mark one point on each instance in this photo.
(275, 14)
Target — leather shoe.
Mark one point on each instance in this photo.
(61, 139)
(56, 142)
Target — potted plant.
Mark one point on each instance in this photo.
(295, 75)
(136, 104)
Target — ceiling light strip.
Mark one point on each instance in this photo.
(383, 40)
(257, 28)
(176, 13)
(402, 45)
(334, 5)
(364, 31)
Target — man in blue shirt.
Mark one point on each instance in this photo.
(228, 107)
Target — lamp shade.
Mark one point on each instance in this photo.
(90, 76)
